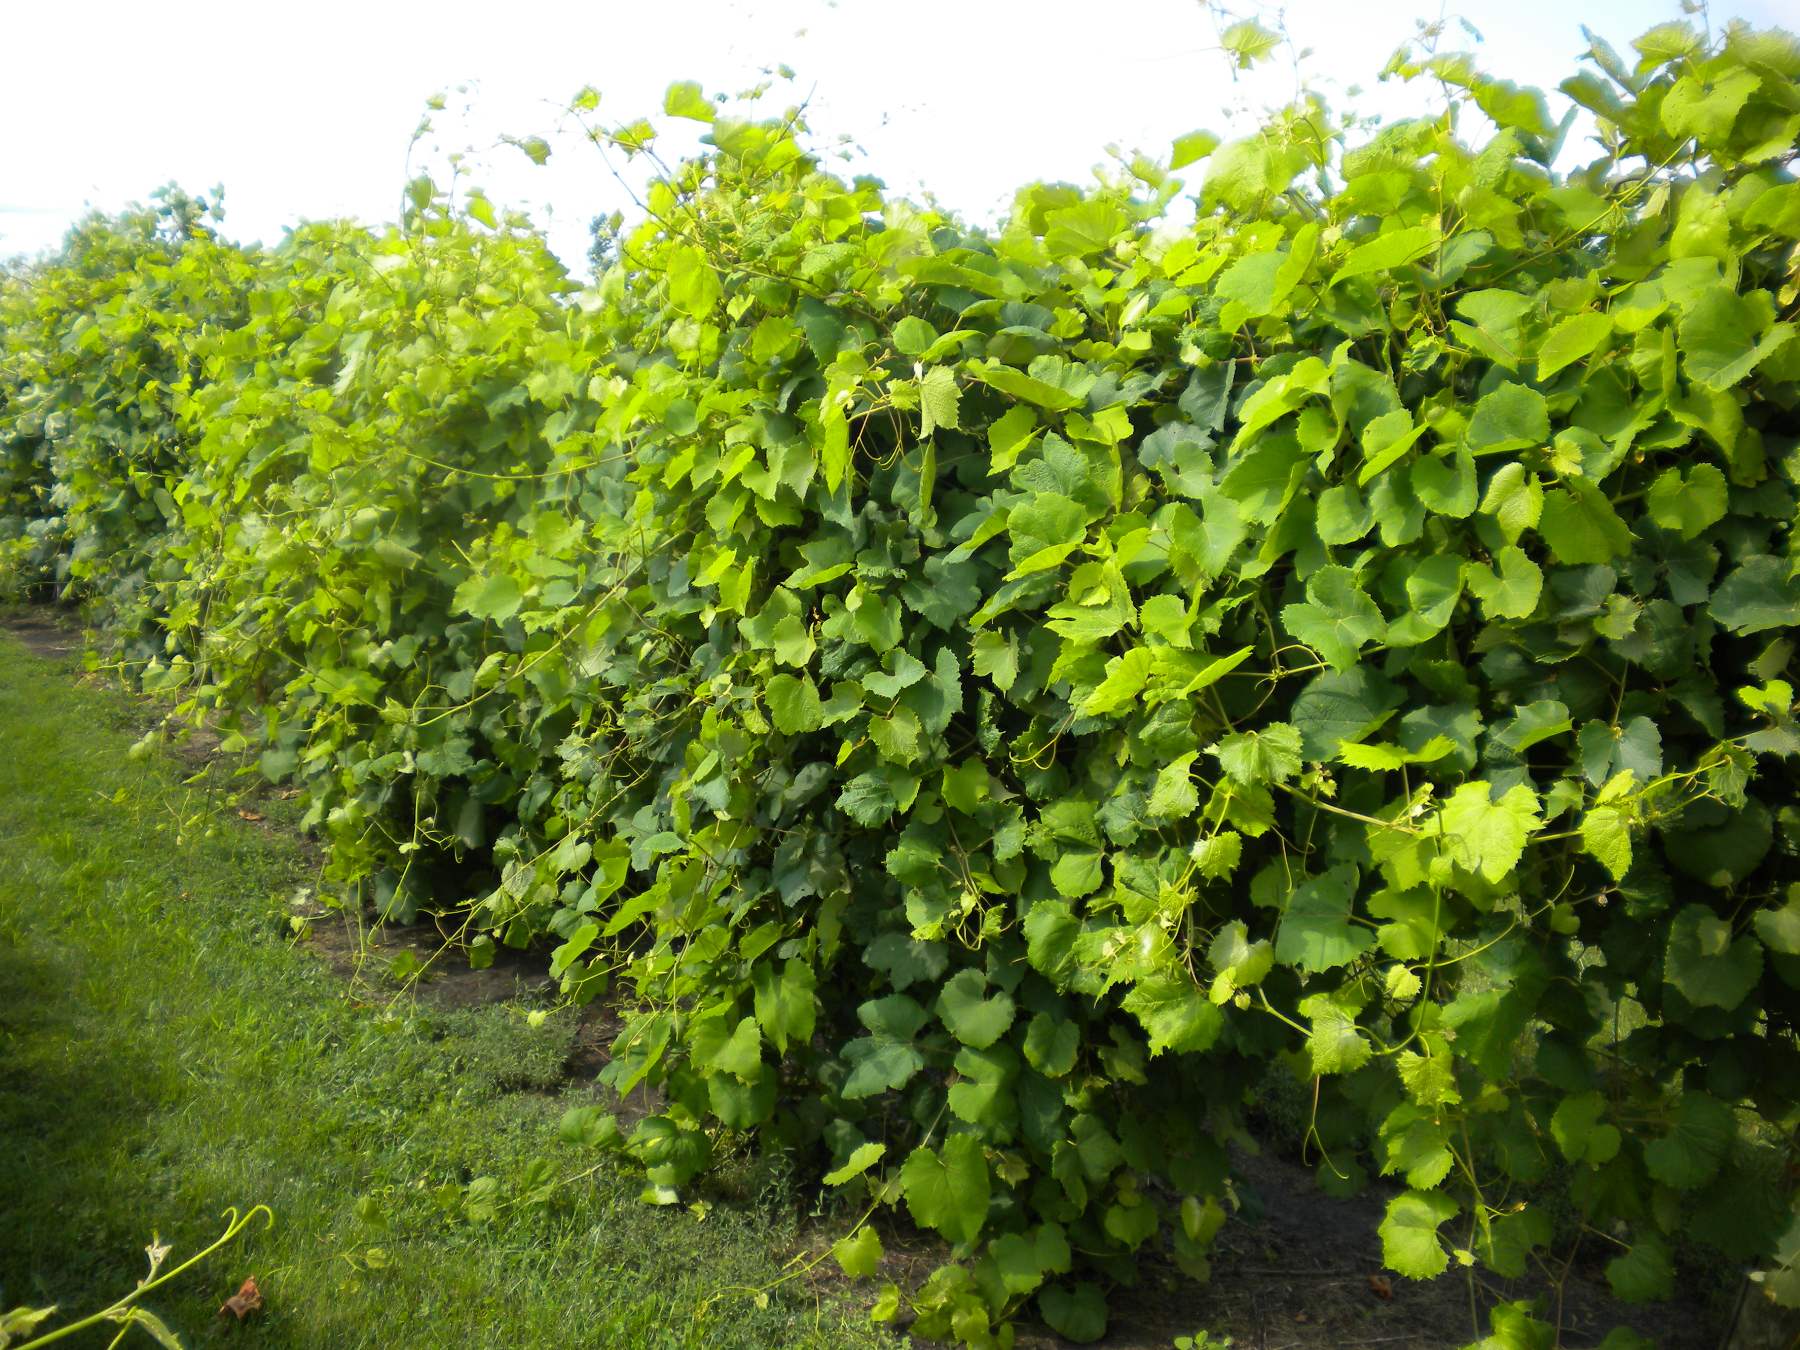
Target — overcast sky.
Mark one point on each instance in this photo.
(305, 111)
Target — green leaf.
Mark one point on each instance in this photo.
(1024, 1259)
(861, 1159)
(1574, 339)
(1416, 1144)
(1608, 750)
(1050, 932)
(1076, 1313)
(495, 598)
(1710, 967)
(1484, 835)
(1044, 530)
(907, 670)
(983, 1093)
(1253, 283)
(907, 960)
(1051, 1045)
(786, 1002)
(738, 1054)
(1645, 1273)
(1217, 856)
(1316, 930)
(1337, 620)
(1085, 229)
(794, 704)
(973, 1019)
(1341, 706)
(1532, 724)
(1248, 42)
(940, 400)
(1334, 1044)
(870, 798)
(1385, 252)
(1214, 671)
(1514, 1328)
(1384, 440)
(1410, 1245)
(896, 736)
(1174, 796)
(152, 1325)
(995, 656)
(1246, 171)
(1779, 929)
(1240, 962)
(1195, 145)
(1719, 338)
(1606, 834)
(1259, 758)
(1430, 1080)
(1125, 679)
(1580, 525)
(694, 286)
(1174, 1013)
(1687, 504)
(1512, 592)
(1343, 516)
(859, 1254)
(1043, 393)
(1666, 42)
(1445, 483)
(1130, 1225)
(1581, 1133)
(948, 1191)
(1512, 417)
(1515, 500)
(1761, 593)
(1699, 1138)
(684, 99)
(886, 1059)
(589, 1127)
(967, 785)
(1706, 108)
(1098, 605)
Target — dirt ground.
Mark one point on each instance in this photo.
(51, 633)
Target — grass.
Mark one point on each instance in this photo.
(166, 1053)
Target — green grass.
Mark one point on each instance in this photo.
(165, 1053)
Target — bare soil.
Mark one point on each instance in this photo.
(54, 634)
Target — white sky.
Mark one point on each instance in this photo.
(305, 111)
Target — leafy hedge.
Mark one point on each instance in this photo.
(986, 700)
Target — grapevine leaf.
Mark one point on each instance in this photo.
(948, 1191)
(859, 1254)
(973, 1019)
(1485, 835)
(1410, 1244)
(1710, 967)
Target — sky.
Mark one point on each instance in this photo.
(308, 112)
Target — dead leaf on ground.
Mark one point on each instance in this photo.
(249, 815)
(247, 1300)
(1381, 1286)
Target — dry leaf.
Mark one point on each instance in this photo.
(1381, 1286)
(249, 815)
(247, 1300)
